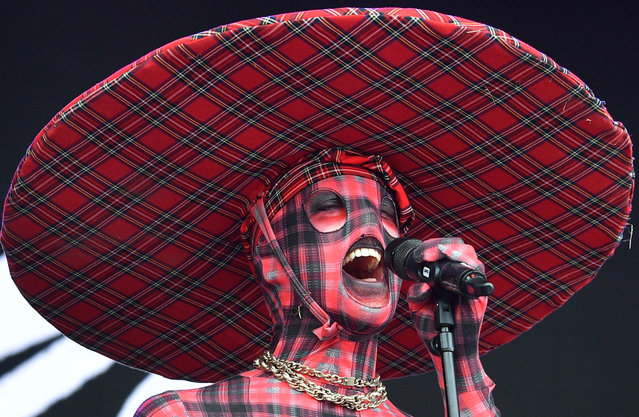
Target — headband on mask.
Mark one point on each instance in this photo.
(330, 163)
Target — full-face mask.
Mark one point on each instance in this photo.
(332, 235)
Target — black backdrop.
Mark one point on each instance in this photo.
(578, 362)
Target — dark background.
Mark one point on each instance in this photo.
(581, 361)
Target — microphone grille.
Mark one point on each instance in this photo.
(397, 253)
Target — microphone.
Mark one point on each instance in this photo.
(443, 274)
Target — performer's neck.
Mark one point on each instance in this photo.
(295, 341)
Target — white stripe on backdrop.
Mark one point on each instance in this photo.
(57, 371)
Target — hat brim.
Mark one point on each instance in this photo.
(122, 224)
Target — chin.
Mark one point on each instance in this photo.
(371, 292)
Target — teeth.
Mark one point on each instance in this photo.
(362, 252)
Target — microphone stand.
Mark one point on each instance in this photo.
(446, 277)
(443, 345)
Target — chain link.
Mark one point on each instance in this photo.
(293, 374)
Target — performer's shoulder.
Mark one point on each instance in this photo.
(211, 400)
(167, 404)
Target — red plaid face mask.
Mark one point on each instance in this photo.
(333, 234)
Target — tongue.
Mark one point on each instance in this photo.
(362, 268)
(366, 282)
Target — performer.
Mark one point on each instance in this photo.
(331, 300)
(307, 141)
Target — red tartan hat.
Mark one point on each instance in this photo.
(122, 224)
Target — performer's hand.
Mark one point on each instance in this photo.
(474, 387)
(469, 313)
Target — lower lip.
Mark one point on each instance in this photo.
(368, 291)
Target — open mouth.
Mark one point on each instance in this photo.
(364, 275)
(364, 264)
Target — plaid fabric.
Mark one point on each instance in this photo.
(473, 384)
(332, 162)
(251, 394)
(238, 397)
(452, 248)
(122, 224)
(326, 164)
(316, 260)
(330, 170)
(256, 394)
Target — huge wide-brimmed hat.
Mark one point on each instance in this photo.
(122, 224)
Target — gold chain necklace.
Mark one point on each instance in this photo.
(293, 374)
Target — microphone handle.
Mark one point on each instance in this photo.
(451, 276)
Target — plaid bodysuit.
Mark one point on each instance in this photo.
(349, 348)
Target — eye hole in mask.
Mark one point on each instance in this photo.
(326, 210)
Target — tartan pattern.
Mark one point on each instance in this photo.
(452, 248)
(238, 397)
(332, 162)
(251, 394)
(330, 169)
(470, 378)
(108, 226)
(326, 164)
(316, 260)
